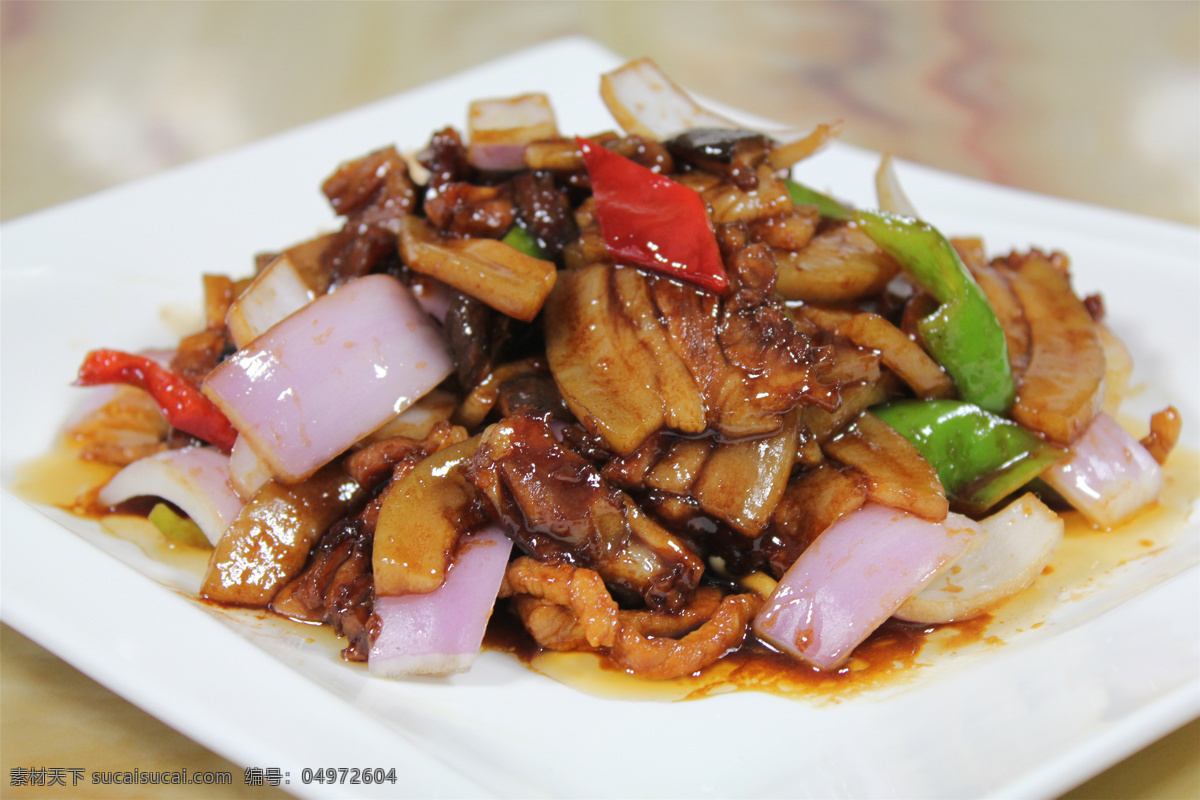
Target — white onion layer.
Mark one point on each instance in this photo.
(247, 471)
(853, 577)
(440, 633)
(499, 130)
(887, 188)
(1018, 543)
(196, 479)
(274, 293)
(1110, 475)
(329, 374)
(645, 102)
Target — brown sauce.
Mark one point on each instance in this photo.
(62, 479)
(141, 532)
(884, 659)
(898, 654)
(895, 656)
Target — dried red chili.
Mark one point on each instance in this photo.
(180, 402)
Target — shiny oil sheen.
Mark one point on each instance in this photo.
(895, 656)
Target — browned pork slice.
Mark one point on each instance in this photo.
(557, 507)
(897, 351)
(1062, 387)
(269, 541)
(634, 353)
(840, 265)
(336, 586)
(607, 378)
(545, 210)
(895, 472)
(741, 482)
(373, 193)
(500, 275)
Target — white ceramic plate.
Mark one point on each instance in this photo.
(1102, 677)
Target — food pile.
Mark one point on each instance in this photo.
(641, 390)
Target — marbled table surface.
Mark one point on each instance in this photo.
(1093, 101)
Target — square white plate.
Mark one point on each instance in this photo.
(1102, 678)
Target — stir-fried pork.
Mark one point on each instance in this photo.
(654, 448)
(373, 193)
(557, 507)
(336, 587)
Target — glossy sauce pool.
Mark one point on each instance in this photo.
(894, 656)
(897, 653)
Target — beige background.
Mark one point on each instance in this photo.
(1097, 102)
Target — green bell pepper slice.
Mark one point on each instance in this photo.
(963, 334)
(522, 238)
(176, 528)
(980, 457)
(826, 206)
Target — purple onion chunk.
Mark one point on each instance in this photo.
(329, 374)
(856, 574)
(440, 633)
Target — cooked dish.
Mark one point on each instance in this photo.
(642, 391)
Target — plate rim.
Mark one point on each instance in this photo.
(18, 608)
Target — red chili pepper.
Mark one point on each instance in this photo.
(652, 221)
(181, 403)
